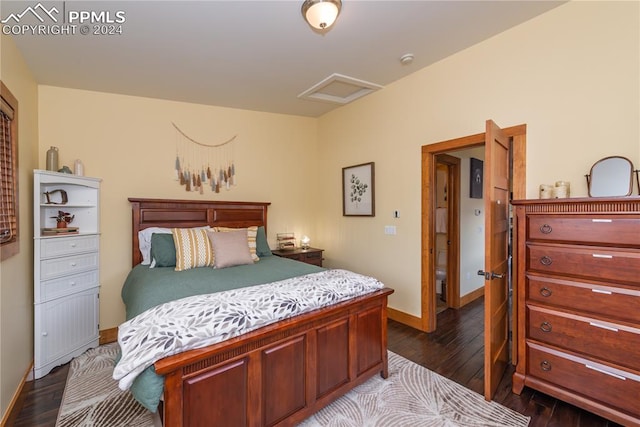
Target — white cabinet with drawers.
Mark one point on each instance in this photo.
(66, 268)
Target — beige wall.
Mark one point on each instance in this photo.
(16, 273)
(130, 143)
(570, 74)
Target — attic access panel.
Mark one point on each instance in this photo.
(339, 89)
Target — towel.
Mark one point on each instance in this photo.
(441, 220)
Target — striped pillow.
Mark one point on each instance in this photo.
(252, 233)
(193, 248)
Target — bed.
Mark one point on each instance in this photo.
(278, 374)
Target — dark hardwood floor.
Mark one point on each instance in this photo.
(41, 399)
(455, 351)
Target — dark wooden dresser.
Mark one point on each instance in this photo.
(577, 281)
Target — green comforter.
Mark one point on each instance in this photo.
(147, 287)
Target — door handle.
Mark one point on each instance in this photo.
(489, 275)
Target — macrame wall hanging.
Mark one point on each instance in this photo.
(200, 165)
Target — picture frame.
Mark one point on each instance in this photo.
(358, 190)
(476, 178)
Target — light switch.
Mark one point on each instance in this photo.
(389, 229)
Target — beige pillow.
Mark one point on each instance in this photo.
(230, 248)
(252, 233)
(193, 248)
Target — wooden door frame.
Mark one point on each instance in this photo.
(453, 228)
(518, 134)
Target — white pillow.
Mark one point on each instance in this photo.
(144, 241)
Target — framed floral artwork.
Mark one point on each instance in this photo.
(358, 190)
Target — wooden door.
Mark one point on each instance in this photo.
(496, 289)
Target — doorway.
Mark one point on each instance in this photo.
(511, 139)
(447, 227)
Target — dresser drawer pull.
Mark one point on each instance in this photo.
(545, 365)
(545, 260)
(602, 371)
(600, 291)
(545, 327)
(72, 264)
(608, 328)
(546, 229)
(601, 220)
(545, 292)
(602, 256)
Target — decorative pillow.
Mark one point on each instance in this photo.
(163, 250)
(252, 233)
(262, 246)
(193, 248)
(230, 248)
(144, 242)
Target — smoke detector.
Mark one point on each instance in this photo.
(406, 59)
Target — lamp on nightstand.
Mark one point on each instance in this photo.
(304, 242)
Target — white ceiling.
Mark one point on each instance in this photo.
(255, 55)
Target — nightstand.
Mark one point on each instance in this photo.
(310, 256)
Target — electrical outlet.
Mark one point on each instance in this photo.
(390, 229)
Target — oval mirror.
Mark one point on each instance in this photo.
(611, 176)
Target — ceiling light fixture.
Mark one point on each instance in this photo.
(321, 14)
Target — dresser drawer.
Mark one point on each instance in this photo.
(312, 258)
(59, 246)
(614, 387)
(599, 229)
(585, 261)
(58, 267)
(66, 285)
(599, 338)
(608, 301)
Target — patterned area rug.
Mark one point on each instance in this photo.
(411, 396)
(92, 397)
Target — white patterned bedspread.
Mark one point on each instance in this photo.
(202, 320)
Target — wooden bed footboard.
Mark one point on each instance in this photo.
(280, 374)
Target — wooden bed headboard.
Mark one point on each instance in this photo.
(192, 213)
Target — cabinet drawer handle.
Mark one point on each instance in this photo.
(72, 283)
(546, 229)
(545, 327)
(44, 334)
(600, 291)
(72, 264)
(602, 256)
(545, 292)
(608, 328)
(545, 365)
(602, 371)
(545, 260)
(73, 245)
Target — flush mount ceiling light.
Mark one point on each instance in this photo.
(321, 14)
